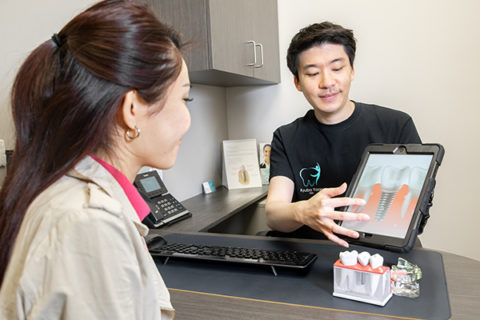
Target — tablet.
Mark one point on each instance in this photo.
(397, 183)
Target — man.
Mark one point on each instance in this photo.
(313, 157)
(266, 156)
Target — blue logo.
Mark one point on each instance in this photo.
(310, 176)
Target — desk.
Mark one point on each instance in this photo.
(462, 274)
(209, 210)
(463, 277)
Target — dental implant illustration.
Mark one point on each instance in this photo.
(415, 184)
(371, 176)
(392, 180)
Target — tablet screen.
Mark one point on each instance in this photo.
(391, 185)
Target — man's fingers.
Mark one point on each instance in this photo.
(332, 237)
(343, 202)
(348, 216)
(331, 231)
(346, 232)
(333, 192)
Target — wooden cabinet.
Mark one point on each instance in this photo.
(232, 42)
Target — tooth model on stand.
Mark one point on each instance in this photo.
(362, 277)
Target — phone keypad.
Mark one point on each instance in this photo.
(168, 206)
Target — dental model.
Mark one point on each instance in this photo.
(362, 277)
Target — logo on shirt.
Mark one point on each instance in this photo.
(310, 176)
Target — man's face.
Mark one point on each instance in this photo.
(266, 152)
(324, 77)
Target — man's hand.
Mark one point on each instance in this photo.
(319, 213)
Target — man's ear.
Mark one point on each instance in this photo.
(297, 83)
(132, 109)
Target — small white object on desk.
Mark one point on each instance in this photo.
(208, 187)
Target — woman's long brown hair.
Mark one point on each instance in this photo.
(67, 93)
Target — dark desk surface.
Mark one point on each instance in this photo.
(211, 209)
(463, 278)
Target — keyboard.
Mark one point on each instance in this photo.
(271, 258)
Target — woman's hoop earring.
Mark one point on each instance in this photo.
(129, 137)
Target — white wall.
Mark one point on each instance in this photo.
(419, 56)
(23, 26)
(199, 157)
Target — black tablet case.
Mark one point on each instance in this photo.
(421, 211)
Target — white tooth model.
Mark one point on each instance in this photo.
(362, 277)
(376, 261)
(349, 258)
(364, 258)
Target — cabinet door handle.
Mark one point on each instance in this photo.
(261, 54)
(254, 63)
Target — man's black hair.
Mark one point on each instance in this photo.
(317, 34)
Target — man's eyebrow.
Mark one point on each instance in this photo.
(337, 60)
(313, 65)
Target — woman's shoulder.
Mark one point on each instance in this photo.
(70, 200)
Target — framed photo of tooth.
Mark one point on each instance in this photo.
(397, 183)
(240, 164)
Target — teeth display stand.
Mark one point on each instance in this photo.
(362, 283)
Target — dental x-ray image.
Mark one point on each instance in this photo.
(391, 186)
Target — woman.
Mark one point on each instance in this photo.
(102, 98)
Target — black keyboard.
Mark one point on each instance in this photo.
(272, 258)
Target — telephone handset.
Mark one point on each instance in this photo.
(165, 209)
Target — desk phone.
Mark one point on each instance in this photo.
(165, 209)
